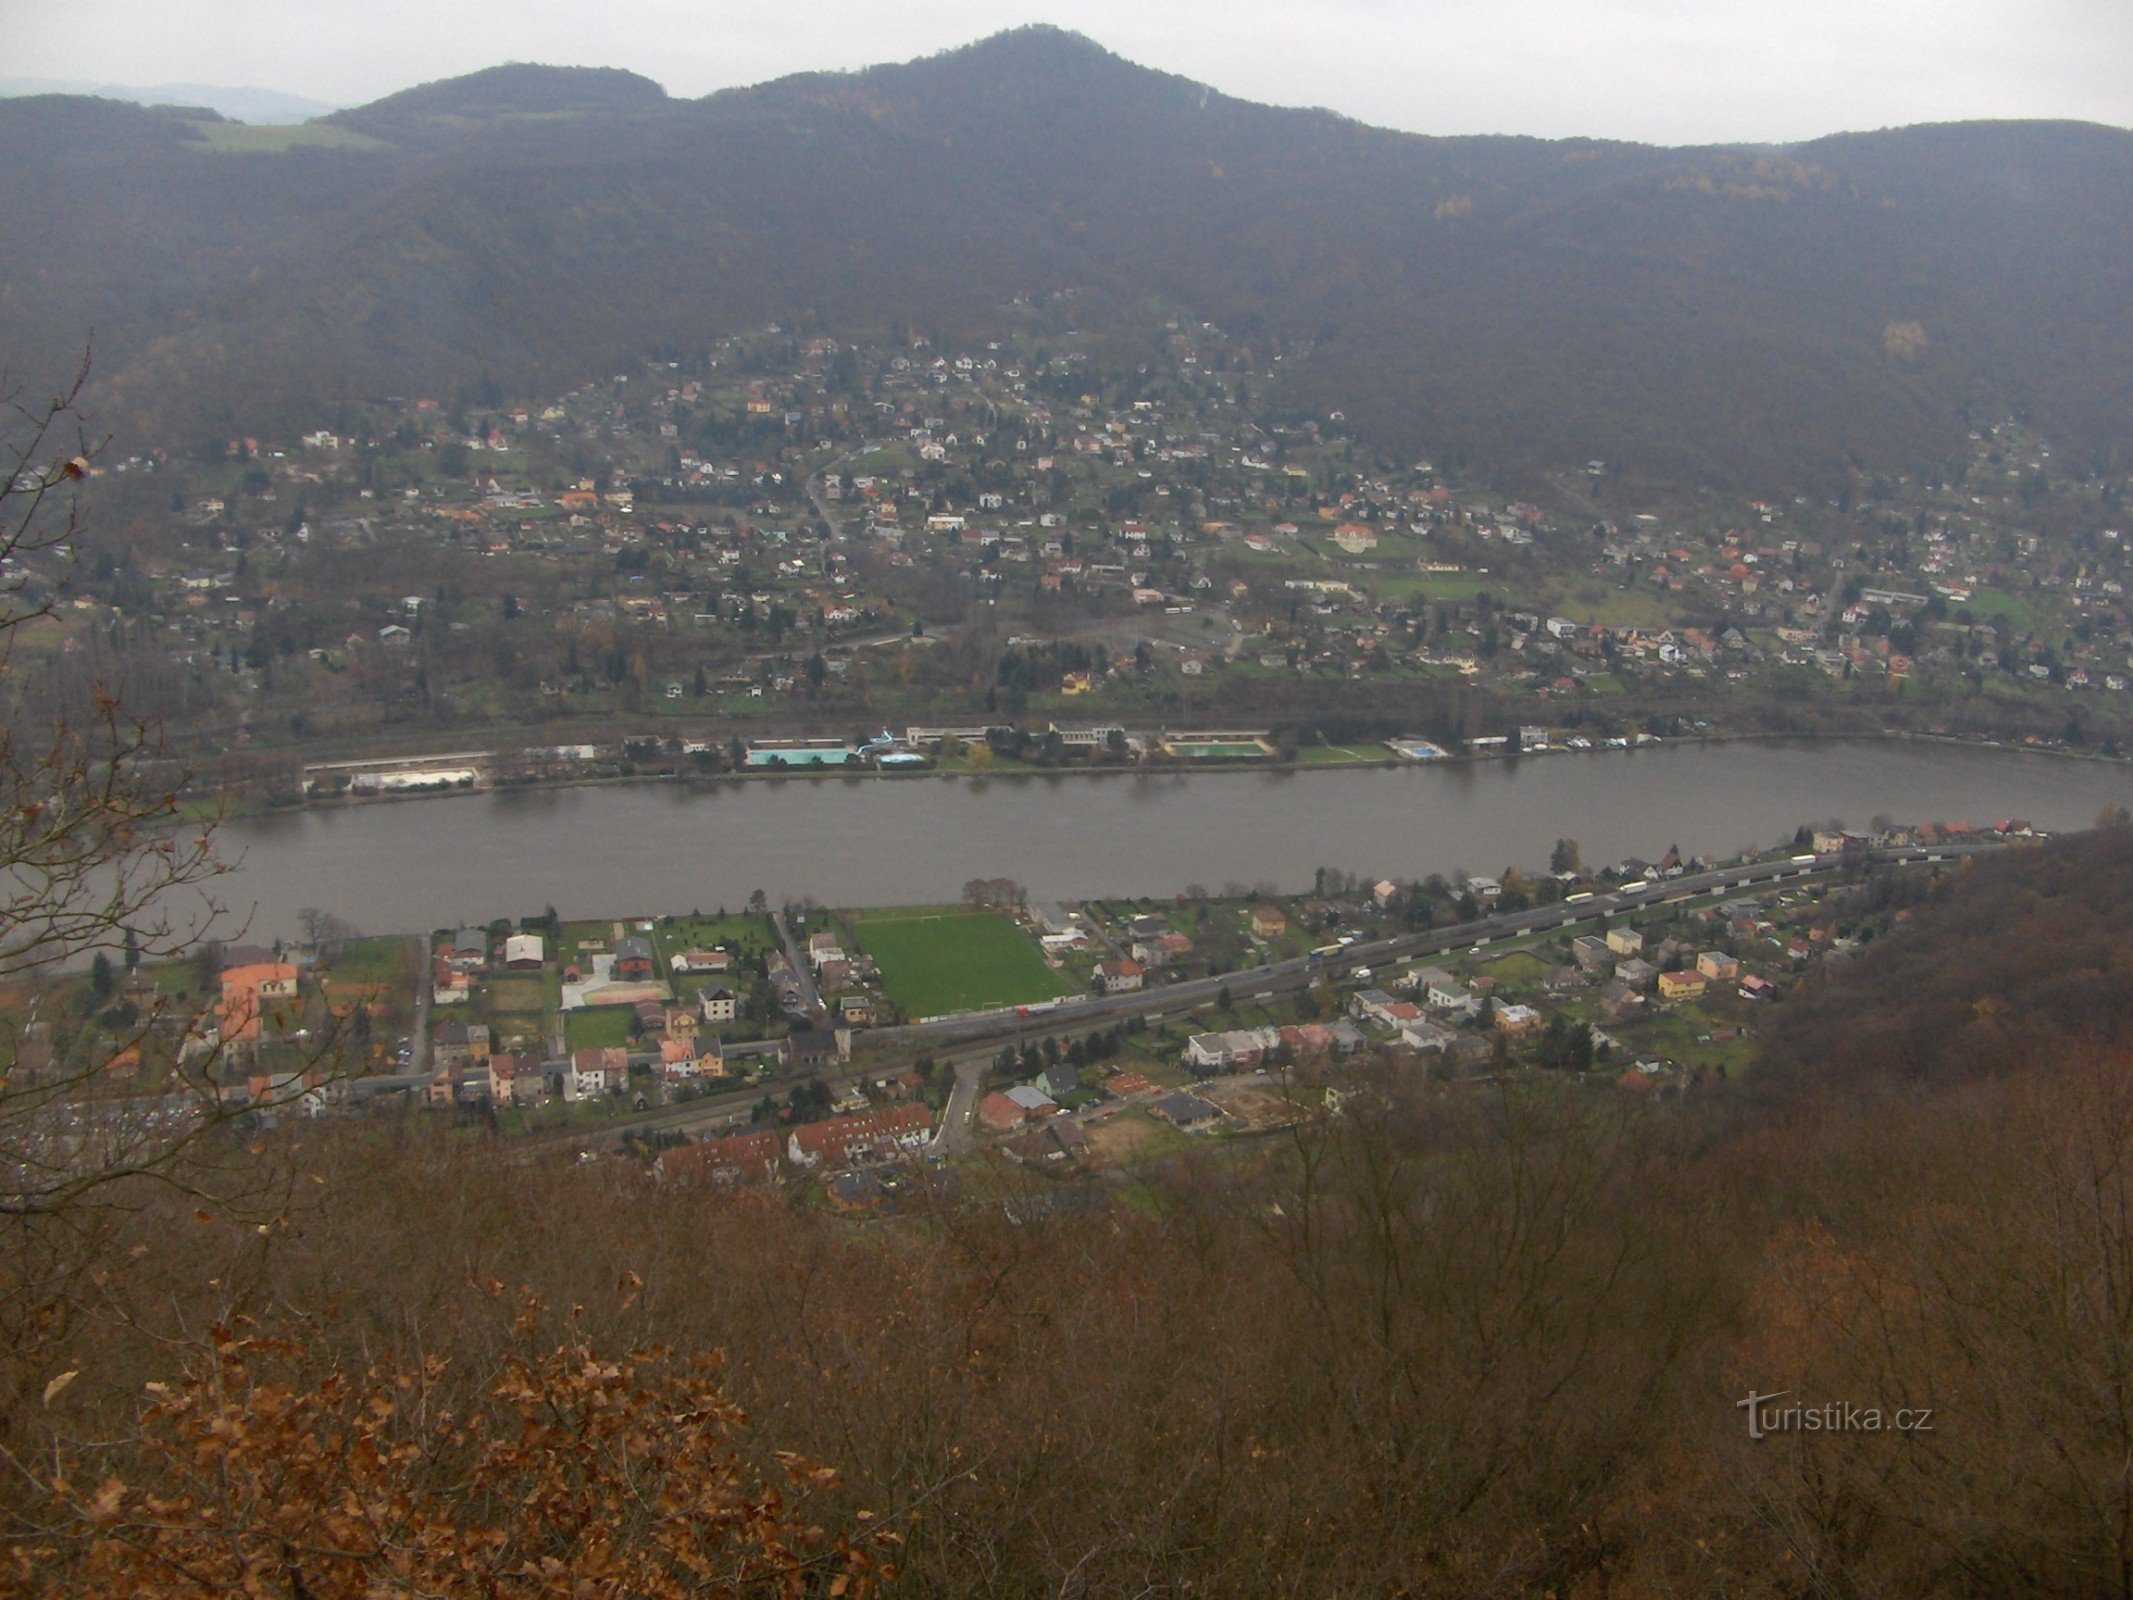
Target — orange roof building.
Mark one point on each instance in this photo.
(246, 992)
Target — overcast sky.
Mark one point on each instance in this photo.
(1671, 71)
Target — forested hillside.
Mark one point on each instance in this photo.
(2011, 961)
(1750, 316)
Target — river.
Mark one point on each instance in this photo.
(671, 847)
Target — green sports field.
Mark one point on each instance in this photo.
(936, 962)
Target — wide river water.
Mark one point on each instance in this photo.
(669, 847)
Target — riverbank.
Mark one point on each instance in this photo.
(1006, 768)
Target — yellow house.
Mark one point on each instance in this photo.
(1680, 985)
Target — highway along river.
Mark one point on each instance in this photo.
(670, 847)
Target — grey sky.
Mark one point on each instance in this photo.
(1671, 71)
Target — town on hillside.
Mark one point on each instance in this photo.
(789, 552)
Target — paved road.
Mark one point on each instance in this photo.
(959, 1117)
(805, 973)
(418, 1058)
(814, 486)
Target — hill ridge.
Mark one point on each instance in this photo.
(1709, 314)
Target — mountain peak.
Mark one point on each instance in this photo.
(520, 88)
(1039, 43)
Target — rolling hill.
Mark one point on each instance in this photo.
(1746, 316)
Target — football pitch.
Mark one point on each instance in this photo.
(937, 962)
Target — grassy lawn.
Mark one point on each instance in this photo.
(369, 960)
(941, 961)
(597, 1027)
(1677, 1035)
(1612, 607)
(517, 996)
(1986, 604)
(1516, 967)
(744, 937)
(576, 933)
(1432, 585)
(1335, 755)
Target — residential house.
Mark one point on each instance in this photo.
(1636, 973)
(1058, 1143)
(597, 1071)
(1059, 1079)
(470, 950)
(1240, 1050)
(815, 1049)
(753, 1156)
(1370, 1004)
(1347, 1037)
(461, 1043)
(1717, 966)
(514, 1080)
(1424, 1035)
(524, 952)
(1682, 985)
(677, 1060)
(633, 961)
(1447, 994)
(1268, 922)
(1187, 1111)
(1625, 941)
(1034, 1101)
(1118, 976)
(249, 996)
(1312, 1041)
(717, 1003)
(1592, 955)
(999, 1113)
(1756, 988)
(1517, 1021)
(690, 962)
(880, 1135)
(1151, 954)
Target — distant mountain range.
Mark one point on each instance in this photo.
(1745, 316)
(239, 104)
